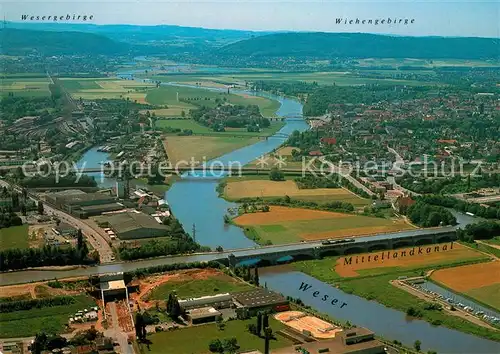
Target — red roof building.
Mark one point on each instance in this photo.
(315, 153)
(329, 141)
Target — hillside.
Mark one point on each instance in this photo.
(178, 35)
(360, 45)
(22, 42)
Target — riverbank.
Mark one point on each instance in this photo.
(375, 284)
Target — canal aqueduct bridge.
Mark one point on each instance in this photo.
(315, 250)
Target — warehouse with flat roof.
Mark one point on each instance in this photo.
(253, 301)
(135, 225)
(81, 204)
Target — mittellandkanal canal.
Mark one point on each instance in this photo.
(194, 200)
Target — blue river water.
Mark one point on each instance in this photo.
(389, 323)
(194, 200)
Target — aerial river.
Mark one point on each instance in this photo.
(194, 200)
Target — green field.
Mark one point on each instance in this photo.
(374, 284)
(14, 237)
(106, 87)
(322, 78)
(196, 339)
(167, 95)
(494, 241)
(324, 269)
(80, 84)
(29, 86)
(183, 148)
(199, 287)
(283, 232)
(47, 319)
(203, 130)
(489, 295)
(379, 289)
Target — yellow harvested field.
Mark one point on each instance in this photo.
(469, 277)
(180, 149)
(286, 150)
(279, 214)
(263, 188)
(348, 266)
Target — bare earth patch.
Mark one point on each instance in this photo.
(470, 276)
(458, 252)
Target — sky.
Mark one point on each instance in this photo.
(438, 18)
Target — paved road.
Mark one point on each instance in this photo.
(94, 235)
(116, 332)
(346, 172)
(24, 276)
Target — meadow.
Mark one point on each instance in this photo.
(454, 252)
(196, 339)
(183, 148)
(28, 86)
(287, 225)
(192, 96)
(203, 130)
(110, 88)
(265, 188)
(47, 319)
(14, 237)
(193, 287)
(373, 282)
(477, 281)
(341, 78)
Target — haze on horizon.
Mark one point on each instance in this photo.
(464, 18)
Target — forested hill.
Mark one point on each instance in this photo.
(361, 45)
(137, 34)
(22, 42)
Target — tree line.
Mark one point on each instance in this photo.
(8, 218)
(287, 201)
(491, 212)
(177, 242)
(427, 215)
(312, 182)
(143, 272)
(23, 305)
(17, 258)
(155, 248)
(457, 184)
(484, 230)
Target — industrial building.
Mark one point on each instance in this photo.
(354, 341)
(135, 225)
(202, 315)
(249, 303)
(217, 301)
(112, 285)
(81, 204)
